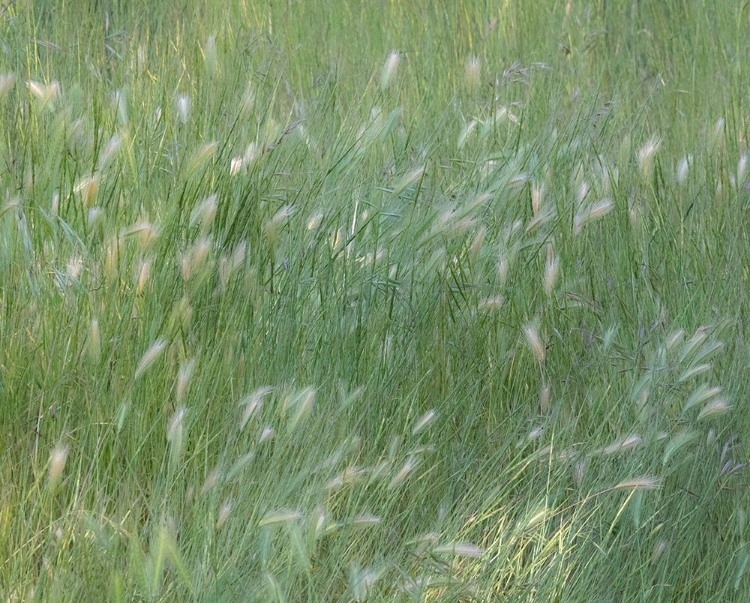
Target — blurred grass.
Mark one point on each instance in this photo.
(278, 327)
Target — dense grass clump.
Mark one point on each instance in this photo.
(374, 301)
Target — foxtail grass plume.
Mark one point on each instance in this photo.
(389, 70)
(204, 213)
(94, 342)
(182, 104)
(459, 549)
(224, 512)
(142, 276)
(150, 357)
(403, 473)
(742, 169)
(551, 268)
(425, 420)
(211, 56)
(537, 197)
(640, 483)
(592, 214)
(201, 157)
(57, 460)
(473, 71)
(280, 516)
(544, 395)
(183, 378)
(121, 106)
(714, 408)
(646, 155)
(175, 435)
(235, 165)
(109, 151)
(683, 169)
(88, 187)
(194, 258)
(7, 81)
(534, 341)
(45, 93)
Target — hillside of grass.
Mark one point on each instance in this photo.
(374, 301)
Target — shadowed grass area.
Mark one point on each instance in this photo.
(378, 301)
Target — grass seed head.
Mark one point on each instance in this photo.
(211, 56)
(389, 70)
(94, 342)
(640, 483)
(150, 357)
(57, 460)
(182, 104)
(45, 93)
(646, 155)
(473, 71)
(7, 81)
(534, 341)
(551, 268)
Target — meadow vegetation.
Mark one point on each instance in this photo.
(374, 301)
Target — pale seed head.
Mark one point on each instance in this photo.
(389, 70)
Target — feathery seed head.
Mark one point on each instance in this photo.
(235, 166)
(646, 155)
(45, 93)
(716, 407)
(211, 56)
(142, 276)
(94, 342)
(683, 167)
(88, 187)
(121, 106)
(182, 104)
(7, 80)
(424, 421)
(534, 341)
(537, 196)
(110, 150)
(183, 378)
(57, 460)
(175, 434)
(150, 357)
(473, 71)
(640, 483)
(551, 269)
(224, 512)
(205, 212)
(389, 70)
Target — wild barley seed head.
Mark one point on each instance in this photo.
(94, 343)
(537, 196)
(224, 512)
(210, 55)
(534, 341)
(714, 408)
(183, 378)
(46, 93)
(683, 167)
(646, 154)
(424, 421)
(640, 483)
(88, 187)
(389, 70)
(150, 357)
(7, 81)
(551, 268)
(110, 150)
(473, 71)
(182, 104)
(235, 166)
(57, 460)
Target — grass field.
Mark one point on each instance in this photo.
(374, 301)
